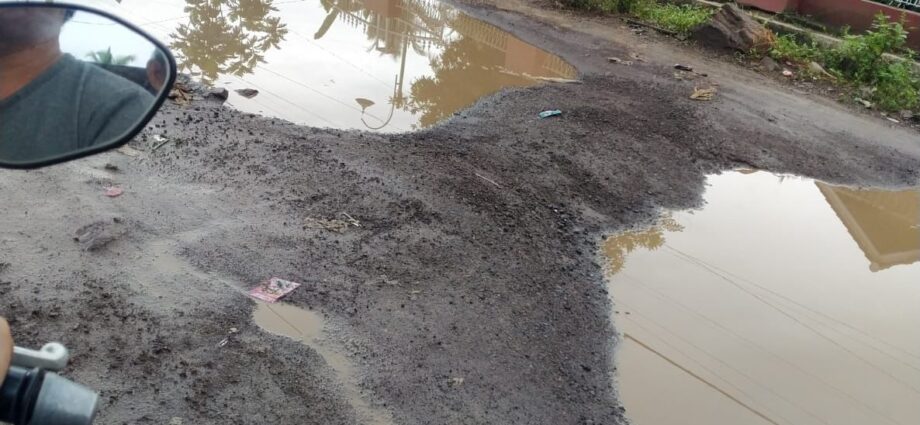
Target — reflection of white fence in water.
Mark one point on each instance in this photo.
(422, 21)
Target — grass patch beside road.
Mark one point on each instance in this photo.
(679, 18)
(860, 61)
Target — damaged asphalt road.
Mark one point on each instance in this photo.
(471, 293)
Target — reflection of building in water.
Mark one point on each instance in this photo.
(885, 225)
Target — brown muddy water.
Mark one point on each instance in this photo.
(782, 301)
(310, 329)
(384, 65)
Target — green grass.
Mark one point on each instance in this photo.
(672, 17)
(678, 18)
(860, 61)
(787, 47)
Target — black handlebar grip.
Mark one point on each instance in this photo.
(19, 393)
(37, 397)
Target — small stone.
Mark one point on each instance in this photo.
(218, 93)
(98, 234)
(247, 93)
(768, 64)
(817, 69)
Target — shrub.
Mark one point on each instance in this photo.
(897, 87)
(788, 48)
(861, 57)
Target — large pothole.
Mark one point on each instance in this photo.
(782, 301)
(383, 65)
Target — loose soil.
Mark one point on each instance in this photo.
(470, 293)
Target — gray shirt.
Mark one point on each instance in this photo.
(69, 107)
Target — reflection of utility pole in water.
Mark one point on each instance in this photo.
(386, 22)
(397, 98)
(395, 23)
(333, 10)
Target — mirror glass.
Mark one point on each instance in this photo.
(72, 82)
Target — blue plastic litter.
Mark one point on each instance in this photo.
(552, 113)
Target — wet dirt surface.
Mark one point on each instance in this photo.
(382, 65)
(308, 328)
(471, 291)
(782, 301)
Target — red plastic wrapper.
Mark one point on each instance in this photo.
(273, 289)
(113, 191)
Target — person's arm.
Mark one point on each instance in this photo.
(6, 349)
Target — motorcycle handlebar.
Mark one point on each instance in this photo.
(33, 396)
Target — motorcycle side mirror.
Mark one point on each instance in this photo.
(74, 81)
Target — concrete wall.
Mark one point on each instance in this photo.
(775, 6)
(857, 14)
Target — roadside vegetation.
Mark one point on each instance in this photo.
(860, 61)
(679, 18)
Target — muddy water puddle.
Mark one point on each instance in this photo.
(387, 65)
(782, 301)
(308, 328)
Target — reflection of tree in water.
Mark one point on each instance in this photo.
(475, 58)
(618, 247)
(226, 36)
(462, 74)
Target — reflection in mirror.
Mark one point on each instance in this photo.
(72, 81)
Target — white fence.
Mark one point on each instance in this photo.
(907, 4)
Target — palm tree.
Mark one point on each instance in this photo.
(105, 57)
